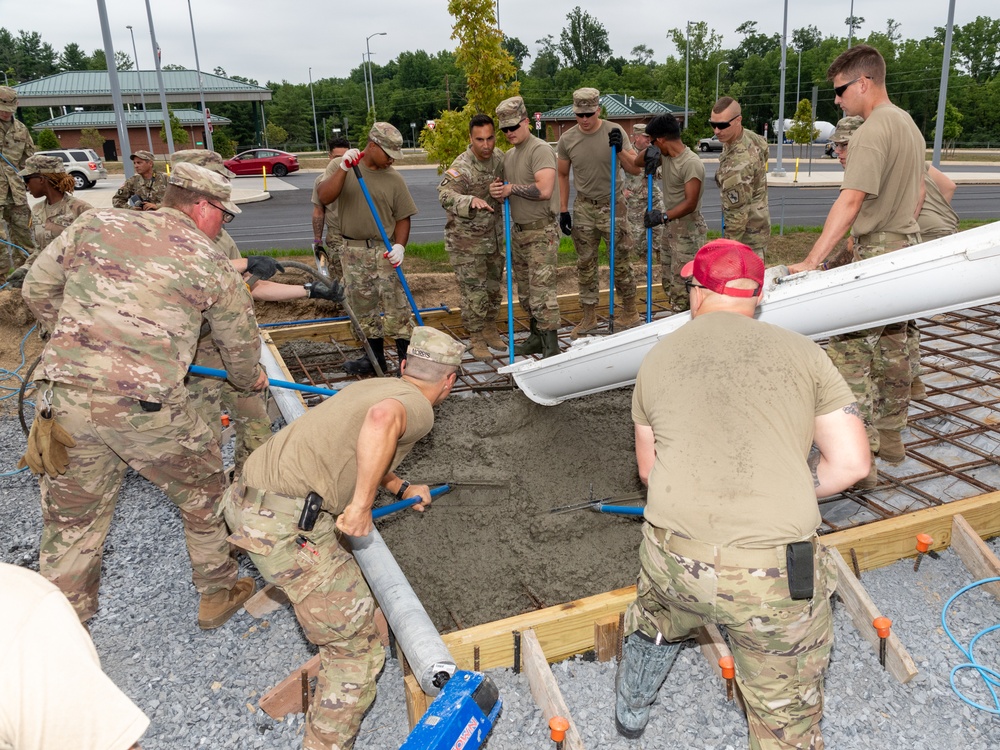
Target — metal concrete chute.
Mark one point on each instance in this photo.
(950, 273)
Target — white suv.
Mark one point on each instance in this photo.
(83, 164)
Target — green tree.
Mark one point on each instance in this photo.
(73, 58)
(642, 55)
(802, 130)
(584, 40)
(176, 129)
(276, 134)
(91, 138)
(223, 143)
(853, 24)
(806, 38)
(517, 50)
(97, 60)
(546, 63)
(977, 47)
(47, 140)
(952, 126)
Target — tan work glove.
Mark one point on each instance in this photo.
(48, 442)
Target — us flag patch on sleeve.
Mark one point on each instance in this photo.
(453, 172)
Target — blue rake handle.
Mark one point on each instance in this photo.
(214, 373)
(611, 241)
(649, 251)
(620, 510)
(510, 282)
(408, 502)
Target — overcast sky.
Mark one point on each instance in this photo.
(276, 41)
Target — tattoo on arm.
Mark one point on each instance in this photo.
(813, 461)
(853, 409)
(531, 192)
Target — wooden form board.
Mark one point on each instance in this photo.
(545, 689)
(977, 557)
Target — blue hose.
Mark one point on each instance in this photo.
(510, 282)
(620, 510)
(649, 251)
(214, 373)
(990, 677)
(611, 241)
(408, 502)
(286, 323)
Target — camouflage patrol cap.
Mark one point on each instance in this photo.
(203, 158)
(141, 154)
(41, 164)
(8, 99)
(388, 137)
(205, 182)
(511, 111)
(586, 100)
(639, 129)
(845, 129)
(436, 346)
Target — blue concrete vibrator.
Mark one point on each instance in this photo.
(460, 718)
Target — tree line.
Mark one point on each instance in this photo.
(418, 86)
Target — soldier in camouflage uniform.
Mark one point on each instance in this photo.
(529, 179)
(733, 433)
(637, 201)
(741, 177)
(144, 190)
(124, 295)
(370, 278)
(15, 216)
(328, 255)
(314, 567)
(46, 177)
(473, 234)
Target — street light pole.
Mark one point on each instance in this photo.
(413, 125)
(798, 83)
(201, 86)
(313, 98)
(778, 169)
(687, 71)
(167, 131)
(943, 90)
(364, 75)
(717, 78)
(142, 94)
(371, 78)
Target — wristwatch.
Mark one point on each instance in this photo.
(402, 490)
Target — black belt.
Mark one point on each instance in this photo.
(531, 226)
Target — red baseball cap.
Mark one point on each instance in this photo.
(722, 261)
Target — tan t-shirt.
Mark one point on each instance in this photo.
(732, 403)
(590, 158)
(53, 694)
(331, 216)
(937, 217)
(389, 194)
(677, 172)
(886, 161)
(520, 165)
(318, 451)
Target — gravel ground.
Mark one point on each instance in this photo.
(200, 689)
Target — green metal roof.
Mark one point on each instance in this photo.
(94, 87)
(77, 120)
(619, 106)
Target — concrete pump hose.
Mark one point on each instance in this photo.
(429, 658)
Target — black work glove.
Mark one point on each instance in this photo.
(318, 248)
(321, 290)
(566, 223)
(652, 160)
(653, 219)
(263, 266)
(615, 140)
(16, 277)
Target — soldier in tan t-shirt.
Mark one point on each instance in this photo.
(328, 255)
(343, 450)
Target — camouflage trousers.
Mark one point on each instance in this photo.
(913, 349)
(875, 362)
(15, 228)
(534, 255)
(755, 239)
(247, 410)
(685, 238)
(372, 289)
(332, 603)
(172, 448)
(479, 276)
(781, 646)
(591, 223)
(334, 251)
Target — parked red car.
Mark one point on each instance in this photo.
(278, 163)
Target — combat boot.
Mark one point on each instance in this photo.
(363, 365)
(478, 347)
(216, 608)
(532, 344)
(492, 337)
(918, 391)
(588, 324)
(630, 316)
(643, 668)
(550, 343)
(890, 446)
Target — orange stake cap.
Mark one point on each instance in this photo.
(924, 542)
(728, 666)
(225, 420)
(557, 728)
(882, 625)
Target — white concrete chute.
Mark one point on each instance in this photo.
(951, 273)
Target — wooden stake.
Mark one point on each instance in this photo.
(606, 636)
(977, 557)
(544, 688)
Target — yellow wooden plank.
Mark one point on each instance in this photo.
(977, 557)
(417, 700)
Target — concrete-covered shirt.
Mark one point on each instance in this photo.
(123, 294)
(589, 155)
(468, 177)
(318, 451)
(388, 192)
(937, 218)
(732, 403)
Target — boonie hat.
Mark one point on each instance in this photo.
(511, 111)
(42, 164)
(845, 129)
(206, 182)
(144, 155)
(388, 137)
(722, 261)
(436, 346)
(8, 99)
(203, 158)
(586, 100)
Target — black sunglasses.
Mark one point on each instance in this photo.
(689, 285)
(511, 128)
(839, 90)
(722, 125)
(585, 115)
(226, 215)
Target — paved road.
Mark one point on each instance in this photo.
(283, 222)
